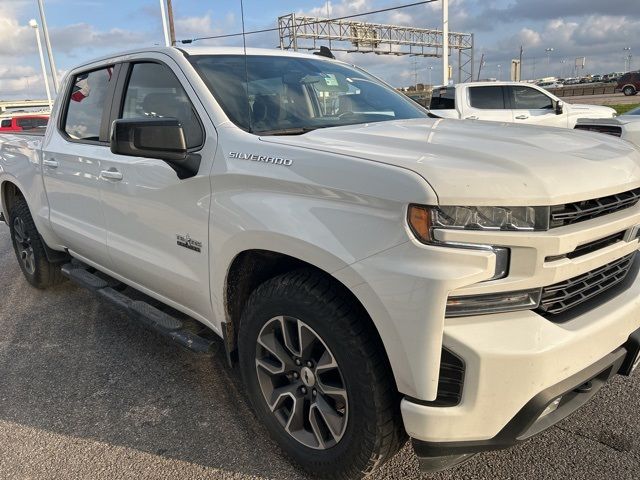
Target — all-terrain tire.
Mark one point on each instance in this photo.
(30, 249)
(373, 430)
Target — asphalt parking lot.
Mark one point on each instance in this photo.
(86, 394)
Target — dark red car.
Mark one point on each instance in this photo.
(23, 122)
(629, 83)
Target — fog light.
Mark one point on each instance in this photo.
(552, 407)
(493, 303)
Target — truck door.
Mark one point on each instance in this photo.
(487, 102)
(158, 223)
(72, 161)
(535, 107)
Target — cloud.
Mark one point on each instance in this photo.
(546, 9)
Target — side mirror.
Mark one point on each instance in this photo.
(161, 138)
(559, 107)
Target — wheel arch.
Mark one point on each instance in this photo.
(9, 193)
(250, 268)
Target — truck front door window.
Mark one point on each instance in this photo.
(527, 98)
(86, 103)
(155, 92)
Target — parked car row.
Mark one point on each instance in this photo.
(562, 82)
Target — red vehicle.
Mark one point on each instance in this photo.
(629, 83)
(23, 122)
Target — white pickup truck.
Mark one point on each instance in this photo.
(373, 272)
(510, 102)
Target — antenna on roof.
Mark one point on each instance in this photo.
(246, 67)
(325, 52)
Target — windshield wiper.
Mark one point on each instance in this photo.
(287, 131)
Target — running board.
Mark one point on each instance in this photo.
(159, 321)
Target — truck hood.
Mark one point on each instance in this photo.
(592, 111)
(485, 163)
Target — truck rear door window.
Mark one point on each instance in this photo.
(154, 91)
(487, 98)
(443, 99)
(6, 123)
(86, 103)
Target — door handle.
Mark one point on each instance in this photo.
(472, 117)
(522, 117)
(111, 174)
(50, 163)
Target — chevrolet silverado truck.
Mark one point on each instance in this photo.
(374, 273)
(510, 102)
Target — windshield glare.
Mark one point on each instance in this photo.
(296, 95)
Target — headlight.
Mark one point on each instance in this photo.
(423, 220)
(493, 303)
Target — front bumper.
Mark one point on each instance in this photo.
(508, 385)
(570, 394)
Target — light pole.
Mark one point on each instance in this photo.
(627, 59)
(562, 65)
(549, 51)
(500, 73)
(52, 64)
(445, 42)
(33, 24)
(430, 68)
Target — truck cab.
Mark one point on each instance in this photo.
(512, 102)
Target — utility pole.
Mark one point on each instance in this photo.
(52, 64)
(33, 24)
(445, 42)
(172, 30)
(481, 65)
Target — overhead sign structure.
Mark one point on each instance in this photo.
(298, 32)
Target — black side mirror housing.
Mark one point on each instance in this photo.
(559, 107)
(161, 138)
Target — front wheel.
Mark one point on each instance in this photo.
(29, 248)
(317, 376)
(629, 90)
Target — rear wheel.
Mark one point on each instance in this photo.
(30, 250)
(317, 376)
(629, 90)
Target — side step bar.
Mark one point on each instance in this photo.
(156, 319)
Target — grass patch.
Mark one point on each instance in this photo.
(622, 109)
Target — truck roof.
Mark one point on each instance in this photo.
(202, 50)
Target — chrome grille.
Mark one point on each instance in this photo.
(606, 129)
(580, 211)
(560, 297)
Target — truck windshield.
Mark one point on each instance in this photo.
(293, 95)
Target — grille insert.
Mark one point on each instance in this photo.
(606, 129)
(451, 380)
(580, 211)
(562, 296)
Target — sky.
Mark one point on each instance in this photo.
(83, 29)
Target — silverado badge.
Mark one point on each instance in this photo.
(187, 242)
